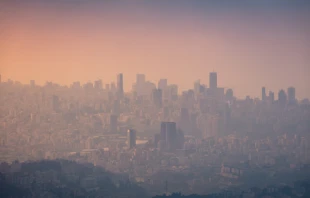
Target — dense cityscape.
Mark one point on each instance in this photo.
(201, 141)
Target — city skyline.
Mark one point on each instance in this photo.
(118, 84)
(250, 45)
(106, 98)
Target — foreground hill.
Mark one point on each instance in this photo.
(61, 178)
(300, 189)
(67, 179)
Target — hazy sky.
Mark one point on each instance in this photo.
(249, 43)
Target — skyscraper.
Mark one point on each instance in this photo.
(171, 135)
(120, 87)
(174, 89)
(197, 87)
(131, 138)
(263, 93)
(163, 131)
(212, 126)
(140, 84)
(282, 97)
(162, 84)
(213, 80)
(98, 84)
(32, 83)
(271, 96)
(140, 79)
(168, 134)
(291, 94)
(229, 95)
(184, 122)
(113, 87)
(157, 97)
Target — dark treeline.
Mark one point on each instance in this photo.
(62, 178)
(300, 189)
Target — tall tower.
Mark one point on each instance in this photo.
(271, 96)
(291, 95)
(162, 84)
(212, 126)
(163, 132)
(184, 122)
(282, 98)
(140, 79)
(263, 93)
(98, 84)
(120, 86)
(171, 135)
(140, 84)
(157, 97)
(197, 87)
(131, 138)
(213, 80)
(32, 83)
(229, 95)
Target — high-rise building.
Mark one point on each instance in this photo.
(263, 94)
(229, 95)
(282, 98)
(98, 84)
(140, 84)
(32, 83)
(227, 115)
(197, 87)
(163, 131)
(162, 84)
(171, 135)
(271, 96)
(213, 80)
(140, 78)
(76, 85)
(113, 123)
(157, 97)
(174, 89)
(212, 126)
(113, 87)
(131, 138)
(88, 86)
(168, 134)
(291, 94)
(120, 85)
(184, 122)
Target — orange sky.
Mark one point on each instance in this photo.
(46, 43)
